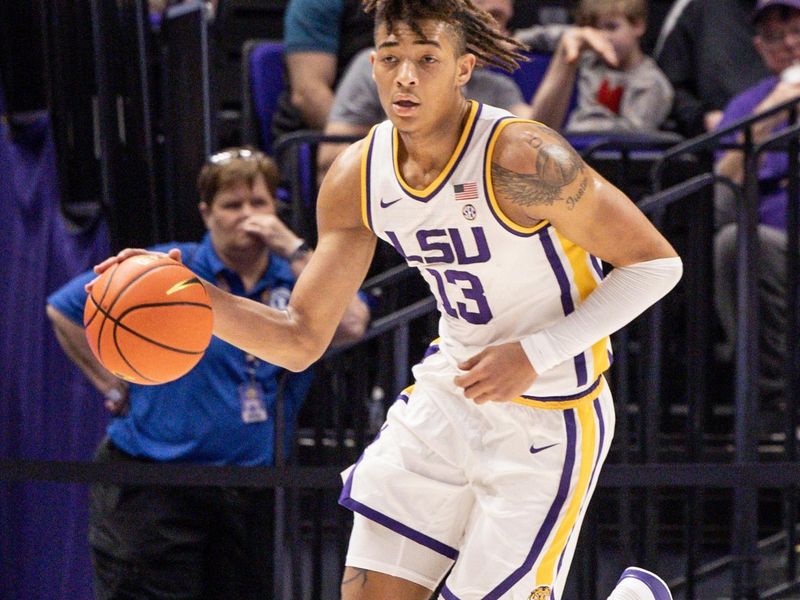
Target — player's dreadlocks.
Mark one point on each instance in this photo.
(477, 27)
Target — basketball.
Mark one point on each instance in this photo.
(148, 319)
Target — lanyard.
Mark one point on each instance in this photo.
(251, 362)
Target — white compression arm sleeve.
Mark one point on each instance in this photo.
(621, 297)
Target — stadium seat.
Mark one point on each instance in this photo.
(263, 82)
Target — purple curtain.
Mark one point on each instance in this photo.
(48, 411)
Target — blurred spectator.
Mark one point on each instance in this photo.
(200, 542)
(705, 49)
(634, 94)
(777, 40)
(320, 39)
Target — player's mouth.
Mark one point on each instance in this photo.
(404, 106)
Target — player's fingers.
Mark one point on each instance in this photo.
(175, 254)
(88, 286)
(119, 257)
(466, 365)
(466, 379)
(102, 266)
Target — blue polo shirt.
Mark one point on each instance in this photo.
(198, 418)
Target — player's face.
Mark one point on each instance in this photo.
(778, 40)
(232, 206)
(623, 35)
(419, 79)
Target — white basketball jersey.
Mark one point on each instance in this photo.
(494, 281)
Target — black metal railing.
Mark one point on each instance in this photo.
(640, 473)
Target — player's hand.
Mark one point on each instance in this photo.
(496, 374)
(577, 39)
(273, 232)
(100, 268)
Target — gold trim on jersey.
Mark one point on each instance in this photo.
(591, 394)
(585, 282)
(365, 155)
(490, 187)
(451, 163)
(547, 567)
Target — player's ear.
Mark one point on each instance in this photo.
(466, 63)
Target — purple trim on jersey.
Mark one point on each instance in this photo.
(447, 594)
(551, 519)
(403, 397)
(444, 182)
(580, 368)
(602, 426)
(431, 350)
(574, 396)
(368, 183)
(486, 196)
(653, 583)
(566, 298)
(598, 268)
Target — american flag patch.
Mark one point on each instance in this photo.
(466, 191)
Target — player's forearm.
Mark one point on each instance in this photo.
(618, 299)
(276, 336)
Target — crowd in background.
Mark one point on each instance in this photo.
(712, 62)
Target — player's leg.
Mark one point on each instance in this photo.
(531, 494)
(409, 491)
(384, 564)
(639, 584)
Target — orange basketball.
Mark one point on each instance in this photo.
(148, 319)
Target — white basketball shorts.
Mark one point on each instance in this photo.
(499, 489)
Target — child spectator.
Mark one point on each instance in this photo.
(631, 95)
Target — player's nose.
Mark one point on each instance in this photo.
(406, 74)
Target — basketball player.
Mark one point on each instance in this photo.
(487, 463)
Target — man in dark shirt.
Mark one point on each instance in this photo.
(320, 38)
(709, 57)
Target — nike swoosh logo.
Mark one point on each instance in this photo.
(535, 450)
(182, 285)
(388, 204)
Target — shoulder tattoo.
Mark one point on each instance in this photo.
(556, 166)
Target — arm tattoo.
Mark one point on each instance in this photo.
(358, 574)
(573, 199)
(557, 165)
